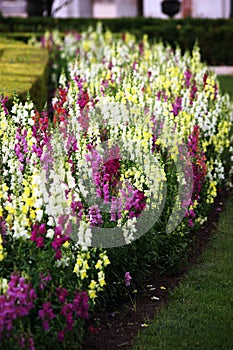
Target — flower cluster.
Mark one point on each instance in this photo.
(36, 234)
(82, 266)
(16, 302)
(170, 98)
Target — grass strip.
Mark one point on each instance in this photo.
(226, 84)
(200, 312)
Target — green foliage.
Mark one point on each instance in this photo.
(138, 258)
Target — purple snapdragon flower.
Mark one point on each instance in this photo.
(127, 279)
(46, 314)
(17, 302)
(95, 215)
(177, 106)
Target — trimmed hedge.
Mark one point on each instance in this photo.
(23, 69)
(212, 35)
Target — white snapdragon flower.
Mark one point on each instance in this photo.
(63, 262)
(50, 233)
(83, 236)
(39, 214)
(129, 230)
(19, 230)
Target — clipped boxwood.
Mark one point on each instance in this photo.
(23, 69)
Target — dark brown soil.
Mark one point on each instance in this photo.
(116, 328)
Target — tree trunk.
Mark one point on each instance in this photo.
(140, 8)
(48, 7)
(35, 9)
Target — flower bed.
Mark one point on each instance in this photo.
(117, 182)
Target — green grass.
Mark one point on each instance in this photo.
(226, 84)
(200, 312)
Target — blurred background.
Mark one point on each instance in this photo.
(117, 8)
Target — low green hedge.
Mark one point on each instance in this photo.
(23, 69)
(213, 35)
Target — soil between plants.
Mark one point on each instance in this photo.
(118, 326)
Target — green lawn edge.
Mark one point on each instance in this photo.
(226, 84)
(200, 311)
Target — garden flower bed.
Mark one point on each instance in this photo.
(117, 182)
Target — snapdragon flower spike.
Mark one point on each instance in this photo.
(134, 201)
(199, 171)
(127, 279)
(3, 101)
(58, 239)
(116, 208)
(104, 86)
(95, 215)
(62, 294)
(141, 48)
(26, 342)
(40, 132)
(71, 145)
(16, 303)
(38, 234)
(81, 304)
(188, 76)
(177, 106)
(111, 169)
(47, 156)
(21, 147)
(83, 99)
(60, 111)
(204, 79)
(61, 336)
(161, 95)
(67, 312)
(77, 208)
(95, 160)
(41, 121)
(198, 163)
(46, 314)
(3, 228)
(73, 310)
(190, 215)
(105, 173)
(31, 344)
(136, 204)
(44, 279)
(193, 93)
